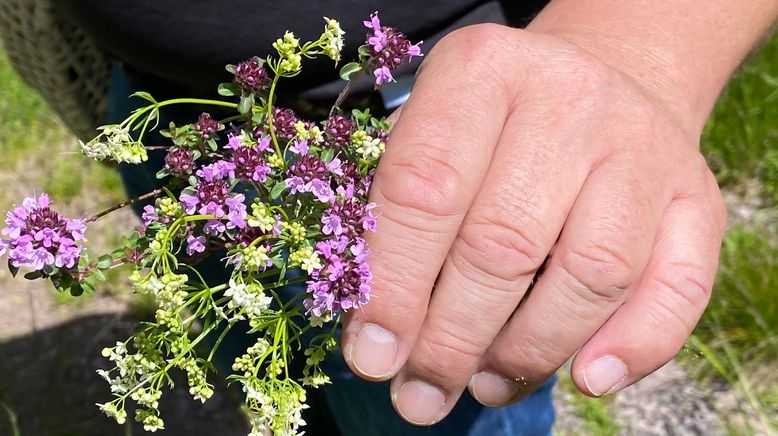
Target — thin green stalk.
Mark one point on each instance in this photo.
(270, 118)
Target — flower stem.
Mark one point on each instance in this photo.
(125, 203)
(270, 118)
(345, 92)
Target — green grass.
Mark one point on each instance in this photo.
(738, 334)
(745, 303)
(594, 412)
(29, 128)
(24, 117)
(741, 137)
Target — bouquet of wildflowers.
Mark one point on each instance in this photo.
(281, 200)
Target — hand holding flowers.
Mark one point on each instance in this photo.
(281, 199)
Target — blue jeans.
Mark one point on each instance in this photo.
(350, 405)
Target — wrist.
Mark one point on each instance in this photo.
(652, 74)
(679, 52)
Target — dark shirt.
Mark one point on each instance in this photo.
(188, 42)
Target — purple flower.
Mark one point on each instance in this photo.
(335, 166)
(179, 162)
(338, 130)
(383, 75)
(351, 182)
(350, 217)
(309, 174)
(189, 202)
(212, 196)
(236, 211)
(220, 169)
(300, 147)
(195, 245)
(39, 237)
(149, 215)
(283, 122)
(250, 76)
(343, 281)
(214, 227)
(206, 125)
(332, 224)
(248, 161)
(389, 48)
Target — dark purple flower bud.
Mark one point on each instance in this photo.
(249, 164)
(308, 168)
(179, 162)
(248, 234)
(283, 122)
(206, 125)
(250, 76)
(214, 192)
(338, 130)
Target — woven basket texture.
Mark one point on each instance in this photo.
(58, 59)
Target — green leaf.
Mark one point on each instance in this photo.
(277, 190)
(65, 281)
(104, 261)
(161, 174)
(88, 287)
(117, 254)
(348, 70)
(364, 50)
(361, 116)
(230, 68)
(327, 154)
(99, 275)
(14, 269)
(228, 89)
(76, 289)
(154, 117)
(144, 95)
(245, 104)
(32, 275)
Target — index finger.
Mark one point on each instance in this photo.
(438, 153)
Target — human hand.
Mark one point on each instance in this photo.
(513, 147)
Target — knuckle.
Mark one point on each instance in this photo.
(446, 349)
(668, 328)
(502, 252)
(472, 41)
(531, 357)
(685, 285)
(425, 181)
(480, 52)
(599, 270)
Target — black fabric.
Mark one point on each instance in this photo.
(188, 42)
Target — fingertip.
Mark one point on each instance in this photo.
(603, 376)
(372, 353)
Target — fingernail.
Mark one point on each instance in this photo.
(419, 403)
(373, 351)
(493, 390)
(604, 375)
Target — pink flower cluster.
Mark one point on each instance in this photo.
(390, 48)
(38, 237)
(343, 281)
